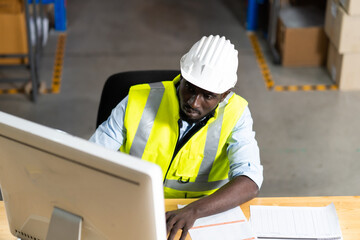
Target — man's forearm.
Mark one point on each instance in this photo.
(239, 190)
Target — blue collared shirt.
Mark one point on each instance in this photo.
(242, 150)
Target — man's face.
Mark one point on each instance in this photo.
(195, 102)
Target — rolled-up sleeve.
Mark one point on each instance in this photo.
(243, 151)
(112, 134)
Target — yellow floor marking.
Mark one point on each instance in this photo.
(269, 82)
(58, 65)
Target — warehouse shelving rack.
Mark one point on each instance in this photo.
(34, 49)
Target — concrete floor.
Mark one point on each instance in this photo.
(309, 141)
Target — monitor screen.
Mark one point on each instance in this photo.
(43, 170)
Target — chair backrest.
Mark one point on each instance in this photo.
(117, 88)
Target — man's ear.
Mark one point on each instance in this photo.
(224, 95)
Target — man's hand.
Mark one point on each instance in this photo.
(180, 219)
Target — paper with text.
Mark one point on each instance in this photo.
(228, 225)
(295, 222)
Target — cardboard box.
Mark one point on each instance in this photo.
(301, 39)
(13, 37)
(11, 6)
(352, 7)
(342, 29)
(344, 69)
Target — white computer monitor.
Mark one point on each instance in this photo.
(46, 174)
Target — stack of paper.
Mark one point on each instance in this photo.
(228, 225)
(273, 222)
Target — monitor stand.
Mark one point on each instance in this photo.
(64, 225)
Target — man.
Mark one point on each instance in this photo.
(196, 130)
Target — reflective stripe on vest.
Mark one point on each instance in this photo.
(194, 186)
(148, 116)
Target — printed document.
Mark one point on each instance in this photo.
(295, 222)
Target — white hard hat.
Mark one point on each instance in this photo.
(211, 64)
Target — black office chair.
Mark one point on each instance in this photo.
(117, 88)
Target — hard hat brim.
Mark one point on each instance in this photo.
(202, 85)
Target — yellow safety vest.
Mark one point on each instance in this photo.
(201, 166)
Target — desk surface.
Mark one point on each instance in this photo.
(347, 208)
